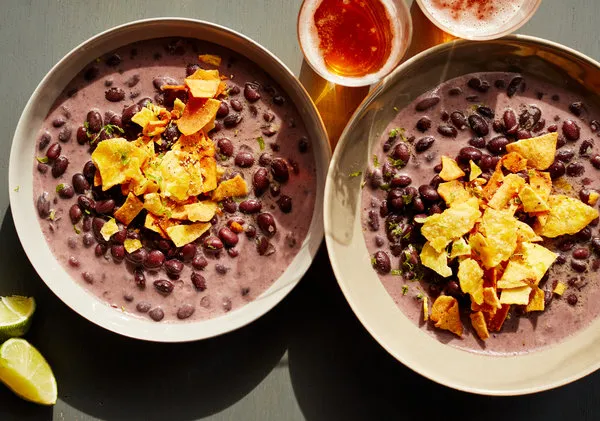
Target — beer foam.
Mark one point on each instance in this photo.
(309, 41)
(469, 18)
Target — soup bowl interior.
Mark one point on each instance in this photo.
(475, 372)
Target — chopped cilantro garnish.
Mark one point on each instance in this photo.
(396, 272)
(375, 161)
(87, 211)
(86, 125)
(384, 186)
(404, 289)
(77, 231)
(261, 142)
(420, 296)
(42, 159)
(363, 183)
(110, 129)
(16, 189)
(396, 109)
(355, 174)
(518, 200)
(398, 163)
(407, 199)
(52, 214)
(60, 187)
(394, 132)
(373, 261)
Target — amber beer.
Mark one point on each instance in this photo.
(353, 42)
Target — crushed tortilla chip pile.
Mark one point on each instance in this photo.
(179, 189)
(500, 259)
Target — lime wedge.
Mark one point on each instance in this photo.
(15, 316)
(26, 372)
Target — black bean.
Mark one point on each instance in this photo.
(447, 130)
(100, 249)
(53, 151)
(249, 206)
(244, 159)
(212, 244)
(275, 190)
(43, 205)
(251, 92)
(88, 277)
(470, 153)
(118, 252)
(581, 253)
(510, 121)
(497, 145)
(459, 120)
(42, 168)
(164, 286)
(236, 105)
(513, 85)
(454, 91)
(381, 262)
(565, 155)
(576, 108)
(596, 244)
(523, 134)
(59, 166)
(223, 110)
(595, 161)
(478, 142)
(427, 103)
(225, 146)
(478, 125)
(199, 262)
(198, 281)
(75, 213)
(58, 122)
(155, 259)
(423, 124)
(424, 143)
(156, 314)
(429, 193)
(279, 169)
(584, 235)
(114, 94)
(436, 181)
(82, 135)
(285, 203)
(91, 73)
(570, 130)
(585, 147)
(232, 120)
(373, 220)
(185, 311)
(171, 134)
(556, 170)
(278, 100)
(173, 267)
(88, 239)
(94, 120)
(65, 190)
(401, 180)
(137, 257)
(266, 222)
(578, 266)
(45, 139)
(229, 238)
(402, 152)
(485, 111)
(539, 126)
(575, 169)
(105, 206)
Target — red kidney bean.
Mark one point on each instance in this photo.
(228, 237)
(424, 143)
(266, 223)
(65, 134)
(244, 159)
(251, 92)
(105, 206)
(260, 181)
(556, 170)
(164, 286)
(118, 252)
(279, 169)
(423, 124)
(565, 155)
(285, 203)
(478, 125)
(552, 128)
(53, 151)
(45, 139)
(250, 231)
(249, 206)
(59, 166)
(427, 103)
(381, 262)
(570, 130)
(497, 145)
(155, 259)
(513, 85)
(575, 169)
(94, 120)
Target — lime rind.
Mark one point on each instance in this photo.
(15, 316)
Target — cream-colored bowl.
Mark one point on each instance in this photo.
(547, 368)
(21, 176)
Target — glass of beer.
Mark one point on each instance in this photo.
(479, 19)
(354, 42)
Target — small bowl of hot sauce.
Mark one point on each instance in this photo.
(354, 42)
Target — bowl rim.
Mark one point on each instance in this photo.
(173, 332)
(344, 139)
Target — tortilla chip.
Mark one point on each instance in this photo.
(593, 199)
(118, 160)
(185, 234)
(234, 187)
(203, 74)
(198, 144)
(490, 297)
(493, 183)
(517, 274)
(531, 201)
(475, 171)
(151, 223)
(514, 162)
(539, 151)
(201, 211)
(541, 183)
(436, 261)
(445, 314)
(97, 179)
(495, 321)
(132, 245)
(211, 59)
(478, 323)
(202, 88)
(129, 210)
(209, 173)
(197, 113)
(454, 222)
(525, 233)
(519, 295)
(538, 258)
(460, 248)
(470, 276)
(143, 117)
(450, 169)
(509, 188)
(500, 231)
(567, 215)
(560, 288)
(425, 309)
(109, 229)
(536, 301)
(453, 191)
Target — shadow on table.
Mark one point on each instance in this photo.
(111, 377)
(339, 372)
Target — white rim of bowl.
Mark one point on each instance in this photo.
(343, 140)
(99, 312)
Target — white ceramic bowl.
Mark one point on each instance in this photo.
(547, 368)
(25, 215)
